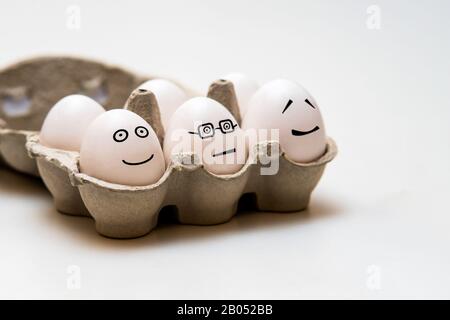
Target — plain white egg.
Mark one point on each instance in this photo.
(120, 147)
(287, 107)
(67, 121)
(244, 87)
(169, 96)
(205, 127)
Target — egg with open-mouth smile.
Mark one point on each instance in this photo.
(286, 107)
(120, 147)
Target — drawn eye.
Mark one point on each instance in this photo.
(288, 104)
(226, 126)
(309, 103)
(120, 135)
(206, 130)
(141, 132)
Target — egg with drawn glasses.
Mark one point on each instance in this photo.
(205, 127)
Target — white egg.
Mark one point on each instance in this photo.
(168, 94)
(205, 127)
(120, 147)
(286, 106)
(244, 88)
(67, 121)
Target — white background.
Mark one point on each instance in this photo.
(379, 222)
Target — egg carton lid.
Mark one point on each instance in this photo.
(29, 88)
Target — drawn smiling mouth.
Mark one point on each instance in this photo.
(138, 163)
(302, 133)
(224, 152)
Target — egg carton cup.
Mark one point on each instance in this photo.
(200, 197)
(13, 153)
(28, 89)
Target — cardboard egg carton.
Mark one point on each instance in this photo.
(199, 197)
(29, 89)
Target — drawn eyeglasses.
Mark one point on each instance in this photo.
(207, 130)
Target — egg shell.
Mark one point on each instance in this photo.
(67, 122)
(287, 107)
(168, 95)
(120, 147)
(244, 87)
(220, 154)
(196, 195)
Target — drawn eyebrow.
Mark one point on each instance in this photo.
(287, 106)
(307, 101)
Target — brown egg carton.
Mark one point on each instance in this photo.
(35, 85)
(199, 197)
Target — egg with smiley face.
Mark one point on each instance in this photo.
(287, 107)
(120, 147)
(206, 128)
